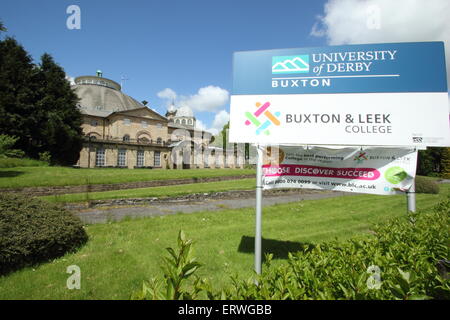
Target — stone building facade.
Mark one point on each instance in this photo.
(121, 132)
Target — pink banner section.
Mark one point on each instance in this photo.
(321, 172)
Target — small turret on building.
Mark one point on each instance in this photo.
(183, 116)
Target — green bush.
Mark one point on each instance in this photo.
(407, 258)
(16, 162)
(426, 185)
(34, 231)
(45, 156)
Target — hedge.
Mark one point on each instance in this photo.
(34, 231)
(426, 185)
(405, 259)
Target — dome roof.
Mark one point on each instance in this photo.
(103, 100)
(185, 111)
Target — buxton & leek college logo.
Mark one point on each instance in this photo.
(262, 125)
(360, 157)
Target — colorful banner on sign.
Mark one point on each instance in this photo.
(389, 94)
(374, 170)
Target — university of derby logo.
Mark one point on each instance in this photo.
(290, 64)
(262, 126)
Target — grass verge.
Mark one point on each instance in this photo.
(19, 177)
(120, 255)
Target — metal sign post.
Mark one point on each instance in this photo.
(411, 194)
(258, 224)
(411, 197)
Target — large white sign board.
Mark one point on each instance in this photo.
(391, 94)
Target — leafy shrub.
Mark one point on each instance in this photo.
(407, 258)
(426, 185)
(6, 144)
(34, 231)
(45, 156)
(178, 267)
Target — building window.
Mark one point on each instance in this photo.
(126, 122)
(206, 160)
(122, 158)
(100, 157)
(218, 162)
(157, 159)
(143, 140)
(140, 158)
(144, 124)
(126, 138)
(183, 121)
(159, 141)
(94, 123)
(190, 121)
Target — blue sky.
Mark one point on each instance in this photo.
(183, 45)
(187, 45)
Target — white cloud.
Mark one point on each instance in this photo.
(200, 125)
(372, 21)
(70, 79)
(220, 119)
(167, 94)
(208, 98)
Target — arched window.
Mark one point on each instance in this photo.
(159, 141)
(183, 121)
(126, 138)
(144, 140)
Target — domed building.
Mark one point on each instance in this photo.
(122, 132)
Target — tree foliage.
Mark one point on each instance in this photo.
(445, 163)
(60, 132)
(2, 27)
(429, 162)
(37, 105)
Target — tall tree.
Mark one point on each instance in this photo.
(224, 133)
(37, 105)
(429, 161)
(60, 131)
(17, 93)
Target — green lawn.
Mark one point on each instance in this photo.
(120, 255)
(160, 192)
(64, 176)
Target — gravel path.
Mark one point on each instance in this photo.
(115, 210)
(233, 201)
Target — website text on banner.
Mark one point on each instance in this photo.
(391, 94)
(374, 170)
